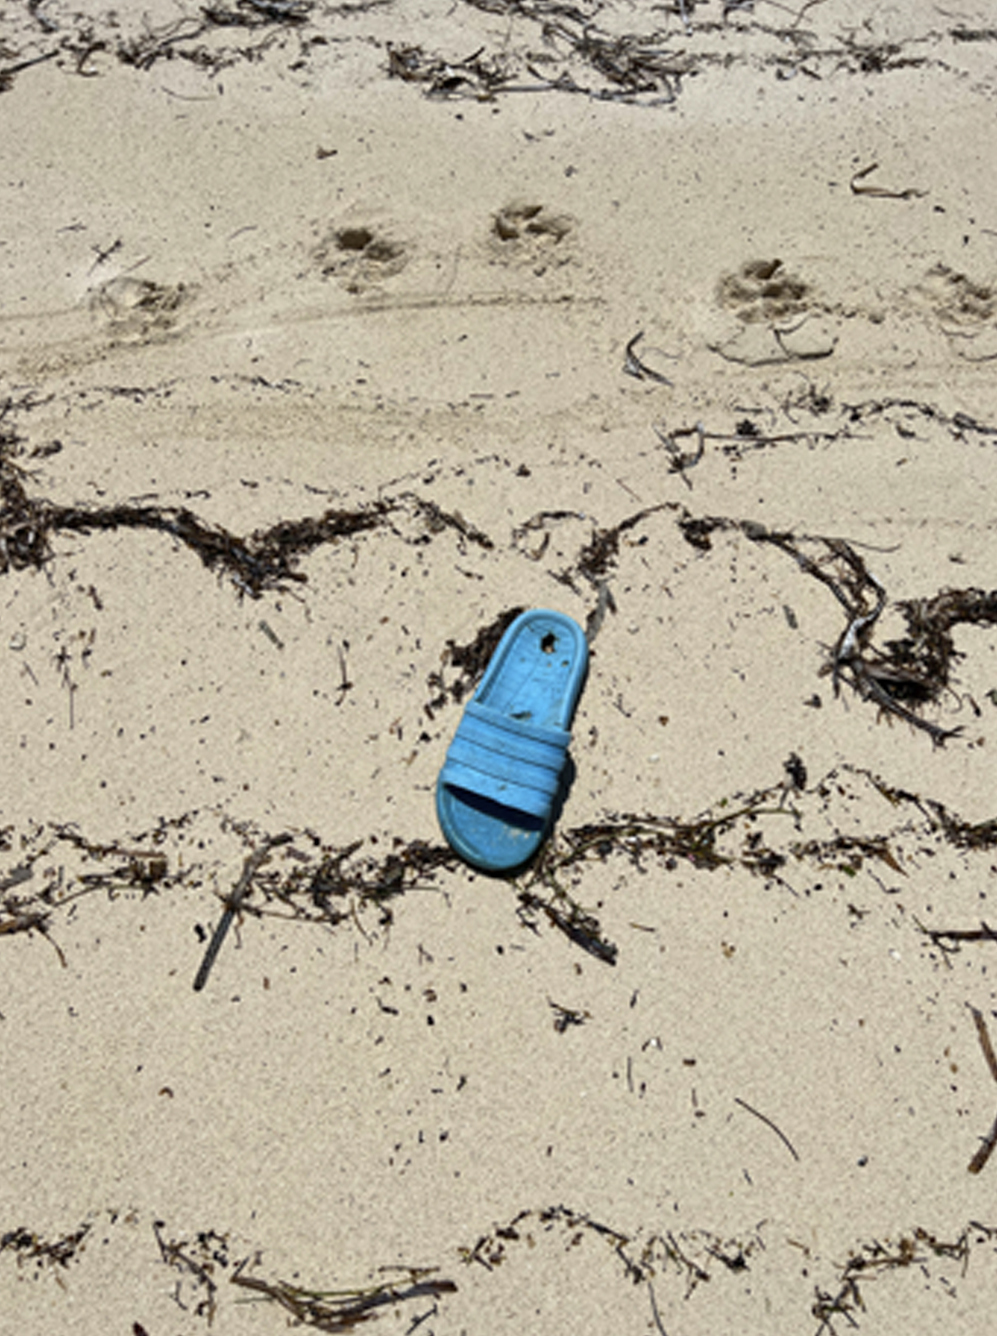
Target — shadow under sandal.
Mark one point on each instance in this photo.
(500, 784)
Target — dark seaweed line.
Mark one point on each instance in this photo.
(318, 883)
(262, 561)
(908, 674)
(693, 1256)
(627, 66)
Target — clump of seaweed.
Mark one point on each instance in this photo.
(491, 1249)
(342, 1310)
(469, 660)
(917, 666)
(876, 1258)
(29, 1247)
(909, 672)
(198, 1260)
(580, 927)
(479, 75)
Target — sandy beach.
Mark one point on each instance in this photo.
(331, 336)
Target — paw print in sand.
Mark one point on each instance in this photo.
(775, 308)
(359, 256)
(525, 232)
(763, 290)
(137, 309)
(965, 308)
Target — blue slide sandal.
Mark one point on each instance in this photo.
(498, 789)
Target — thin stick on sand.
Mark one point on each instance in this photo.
(232, 905)
(990, 1140)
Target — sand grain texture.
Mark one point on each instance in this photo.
(319, 355)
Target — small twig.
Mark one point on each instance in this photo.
(7, 72)
(984, 933)
(567, 1016)
(633, 366)
(271, 634)
(985, 1044)
(867, 677)
(680, 460)
(232, 905)
(985, 1149)
(345, 684)
(879, 192)
(769, 1123)
(654, 1310)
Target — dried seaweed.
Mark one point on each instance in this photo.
(566, 1017)
(966, 834)
(306, 880)
(316, 883)
(572, 53)
(667, 838)
(264, 560)
(491, 1249)
(198, 1262)
(873, 1259)
(437, 519)
(475, 74)
(28, 1247)
(469, 660)
(917, 667)
(901, 678)
(959, 424)
(632, 65)
(690, 1254)
(627, 66)
(600, 553)
(568, 917)
(180, 39)
(343, 1310)
(962, 34)
(907, 673)
(257, 13)
(557, 46)
(848, 853)
(692, 1257)
(985, 1149)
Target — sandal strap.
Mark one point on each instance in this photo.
(512, 761)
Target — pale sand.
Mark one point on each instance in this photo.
(393, 1090)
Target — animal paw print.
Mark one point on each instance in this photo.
(139, 309)
(764, 290)
(782, 319)
(966, 311)
(956, 299)
(525, 232)
(359, 256)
